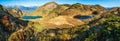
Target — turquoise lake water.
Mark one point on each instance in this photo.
(31, 17)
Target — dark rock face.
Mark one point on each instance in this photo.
(9, 23)
(95, 12)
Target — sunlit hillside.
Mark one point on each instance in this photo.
(59, 22)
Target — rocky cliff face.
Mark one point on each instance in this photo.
(16, 12)
(115, 10)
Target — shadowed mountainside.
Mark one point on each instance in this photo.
(9, 23)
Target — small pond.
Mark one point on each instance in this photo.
(83, 17)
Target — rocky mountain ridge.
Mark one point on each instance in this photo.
(16, 12)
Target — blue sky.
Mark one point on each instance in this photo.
(104, 3)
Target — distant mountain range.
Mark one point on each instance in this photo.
(23, 8)
(29, 9)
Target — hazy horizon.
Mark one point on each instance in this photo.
(104, 3)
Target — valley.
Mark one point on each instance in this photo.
(60, 22)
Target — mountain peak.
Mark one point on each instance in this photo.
(16, 12)
(45, 9)
(50, 4)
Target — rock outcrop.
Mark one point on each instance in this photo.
(16, 12)
(115, 10)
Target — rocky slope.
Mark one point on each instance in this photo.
(45, 9)
(16, 12)
(107, 30)
(50, 9)
(9, 23)
(115, 10)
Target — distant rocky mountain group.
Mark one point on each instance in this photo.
(59, 22)
(23, 8)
